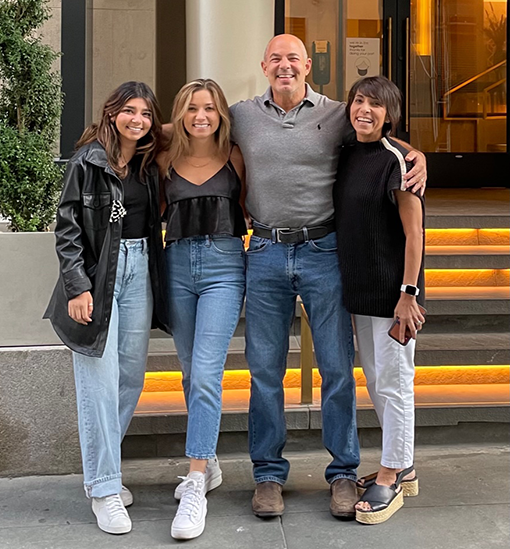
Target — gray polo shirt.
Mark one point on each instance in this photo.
(291, 157)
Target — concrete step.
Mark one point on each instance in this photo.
(467, 257)
(462, 349)
(483, 323)
(432, 349)
(163, 355)
(472, 300)
(467, 208)
(454, 278)
(450, 310)
(467, 237)
(165, 412)
(466, 221)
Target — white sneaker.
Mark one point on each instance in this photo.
(111, 515)
(213, 478)
(126, 496)
(189, 521)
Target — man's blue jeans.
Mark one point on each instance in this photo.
(108, 388)
(206, 282)
(276, 274)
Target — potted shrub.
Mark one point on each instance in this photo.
(30, 109)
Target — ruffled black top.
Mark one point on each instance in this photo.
(207, 209)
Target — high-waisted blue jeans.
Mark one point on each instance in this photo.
(206, 283)
(276, 274)
(108, 388)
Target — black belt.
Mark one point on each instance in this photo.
(295, 236)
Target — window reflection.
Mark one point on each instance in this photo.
(458, 75)
(457, 71)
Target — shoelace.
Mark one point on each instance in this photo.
(115, 506)
(190, 500)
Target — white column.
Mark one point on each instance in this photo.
(225, 41)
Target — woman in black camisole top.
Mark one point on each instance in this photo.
(206, 277)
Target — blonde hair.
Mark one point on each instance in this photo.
(180, 145)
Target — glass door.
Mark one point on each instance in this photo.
(344, 38)
(449, 59)
(458, 76)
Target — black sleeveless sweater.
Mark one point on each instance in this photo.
(211, 208)
(371, 239)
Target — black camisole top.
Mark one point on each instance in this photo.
(209, 209)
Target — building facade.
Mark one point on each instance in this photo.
(448, 57)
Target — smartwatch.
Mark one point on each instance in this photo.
(410, 289)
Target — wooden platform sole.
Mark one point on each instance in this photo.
(378, 517)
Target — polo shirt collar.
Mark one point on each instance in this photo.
(311, 97)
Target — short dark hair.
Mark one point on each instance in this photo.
(386, 92)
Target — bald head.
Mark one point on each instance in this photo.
(288, 40)
(286, 65)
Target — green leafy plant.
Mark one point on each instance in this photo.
(495, 32)
(30, 109)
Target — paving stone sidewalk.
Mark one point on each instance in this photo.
(464, 503)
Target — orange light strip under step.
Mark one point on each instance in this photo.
(425, 375)
(467, 237)
(466, 277)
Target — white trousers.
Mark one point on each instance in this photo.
(389, 370)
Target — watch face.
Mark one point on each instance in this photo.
(410, 290)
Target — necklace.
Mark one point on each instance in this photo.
(197, 165)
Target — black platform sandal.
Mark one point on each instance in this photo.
(410, 487)
(384, 501)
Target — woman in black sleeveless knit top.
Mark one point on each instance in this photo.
(206, 278)
(380, 247)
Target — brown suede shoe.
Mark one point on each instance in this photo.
(267, 500)
(344, 497)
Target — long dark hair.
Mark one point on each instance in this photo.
(106, 133)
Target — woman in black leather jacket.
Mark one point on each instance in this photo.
(111, 285)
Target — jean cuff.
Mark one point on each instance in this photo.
(269, 478)
(342, 475)
(105, 486)
(200, 456)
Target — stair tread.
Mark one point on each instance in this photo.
(426, 396)
(463, 341)
(467, 292)
(468, 202)
(467, 250)
(162, 346)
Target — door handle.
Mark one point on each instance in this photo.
(389, 46)
(407, 72)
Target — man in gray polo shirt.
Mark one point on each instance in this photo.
(290, 139)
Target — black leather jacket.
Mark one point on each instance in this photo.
(87, 246)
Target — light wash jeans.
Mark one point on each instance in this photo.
(389, 370)
(108, 388)
(206, 282)
(276, 274)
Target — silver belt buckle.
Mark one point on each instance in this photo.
(280, 230)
